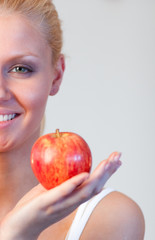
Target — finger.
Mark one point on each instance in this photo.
(107, 165)
(106, 169)
(69, 195)
(66, 188)
(115, 156)
(94, 184)
(81, 187)
(60, 192)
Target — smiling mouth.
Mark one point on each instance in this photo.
(8, 117)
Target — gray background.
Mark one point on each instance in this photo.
(107, 95)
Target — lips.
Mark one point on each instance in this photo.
(7, 117)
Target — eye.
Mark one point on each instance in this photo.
(21, 69)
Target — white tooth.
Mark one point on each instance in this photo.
(13, 115)
(1, 118)
(5, 117)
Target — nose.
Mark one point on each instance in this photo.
(5, 93)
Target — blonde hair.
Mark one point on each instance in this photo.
(42, 13)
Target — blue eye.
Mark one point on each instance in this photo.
(21, 69)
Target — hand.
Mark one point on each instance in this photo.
(40, 208)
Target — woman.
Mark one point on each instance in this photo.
(32, 68)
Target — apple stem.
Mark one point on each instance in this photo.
(57, 133)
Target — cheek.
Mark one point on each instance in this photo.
(33, 97)
(36, 100)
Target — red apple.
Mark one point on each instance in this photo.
(56, 157)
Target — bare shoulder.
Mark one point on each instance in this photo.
(116, 217)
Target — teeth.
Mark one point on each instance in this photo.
(7, 117)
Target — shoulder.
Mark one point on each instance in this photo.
(115, 217)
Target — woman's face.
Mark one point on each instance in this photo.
(26, 79)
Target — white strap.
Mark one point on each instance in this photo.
(83, 213)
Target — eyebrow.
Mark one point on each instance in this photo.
(26, 54)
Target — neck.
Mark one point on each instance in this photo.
(16, 176)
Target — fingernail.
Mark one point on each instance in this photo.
(117, 157)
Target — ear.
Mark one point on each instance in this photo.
(58, 75)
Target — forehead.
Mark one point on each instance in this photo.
(19, 34)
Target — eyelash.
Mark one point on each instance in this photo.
(20, 67)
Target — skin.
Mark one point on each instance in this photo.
(27, 210)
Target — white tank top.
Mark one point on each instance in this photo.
(83, 213)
